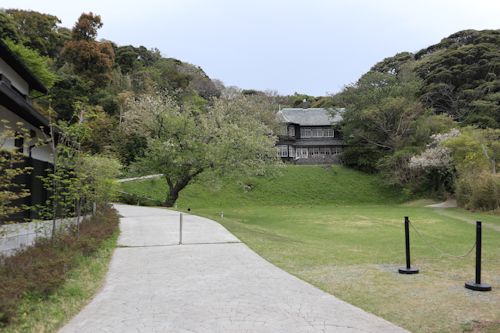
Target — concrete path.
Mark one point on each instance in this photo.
(124, 180)
(213, 283)
(450, 203)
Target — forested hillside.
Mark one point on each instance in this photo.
(430, 121)
(152, 113)
(90, 80)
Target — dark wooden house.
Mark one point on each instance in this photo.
(310, 136)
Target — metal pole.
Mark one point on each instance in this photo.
(180, 229)
(407, 242)
(477, 285)
(407, 269)
(478, 252)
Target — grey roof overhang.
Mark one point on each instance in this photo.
(15, 102)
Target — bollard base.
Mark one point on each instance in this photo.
(477, 286)
(408, 270)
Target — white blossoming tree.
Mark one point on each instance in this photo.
(436, 163)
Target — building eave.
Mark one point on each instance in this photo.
(13, 61)
(318, 142)
(16, 103)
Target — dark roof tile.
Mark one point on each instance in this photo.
(311, 116)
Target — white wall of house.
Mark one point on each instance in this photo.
(15, 79)
(42, 153)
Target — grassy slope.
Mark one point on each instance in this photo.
(340, 231)
(294, 185)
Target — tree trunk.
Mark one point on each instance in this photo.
(173, 193)
(172, 197)
(175, 189)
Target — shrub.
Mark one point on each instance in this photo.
(481, 191)
(42, 268)
(136, 199)
(463, 191)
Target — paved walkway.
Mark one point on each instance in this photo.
(124, 180)
(450, 203)
(213, 283)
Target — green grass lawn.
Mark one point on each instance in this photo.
(339, 230)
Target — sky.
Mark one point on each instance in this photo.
(307, 46)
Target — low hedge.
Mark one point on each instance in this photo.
(40, 269)
(136, 199)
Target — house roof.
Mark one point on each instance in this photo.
(311, 116)
(13, 61)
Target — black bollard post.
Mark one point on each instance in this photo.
(407, 269)
(477, 285)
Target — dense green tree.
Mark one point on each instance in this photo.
(476, 150)
(394, 65)
(381, 109)
(131, 58)
(475, 154)
(8, 29)
(300, 100)
(393, 111)
(168, 77)
(462, 77)
(86, 27)
(39, 31)
(70, 88)
(199, 82)
(89, 58)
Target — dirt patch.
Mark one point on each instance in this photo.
(482, 327)
(427, 302)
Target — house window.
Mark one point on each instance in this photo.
(301, 152)
(19, 143)
(336, 150)
(291, 131)
(291, 152)
(283, 151)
